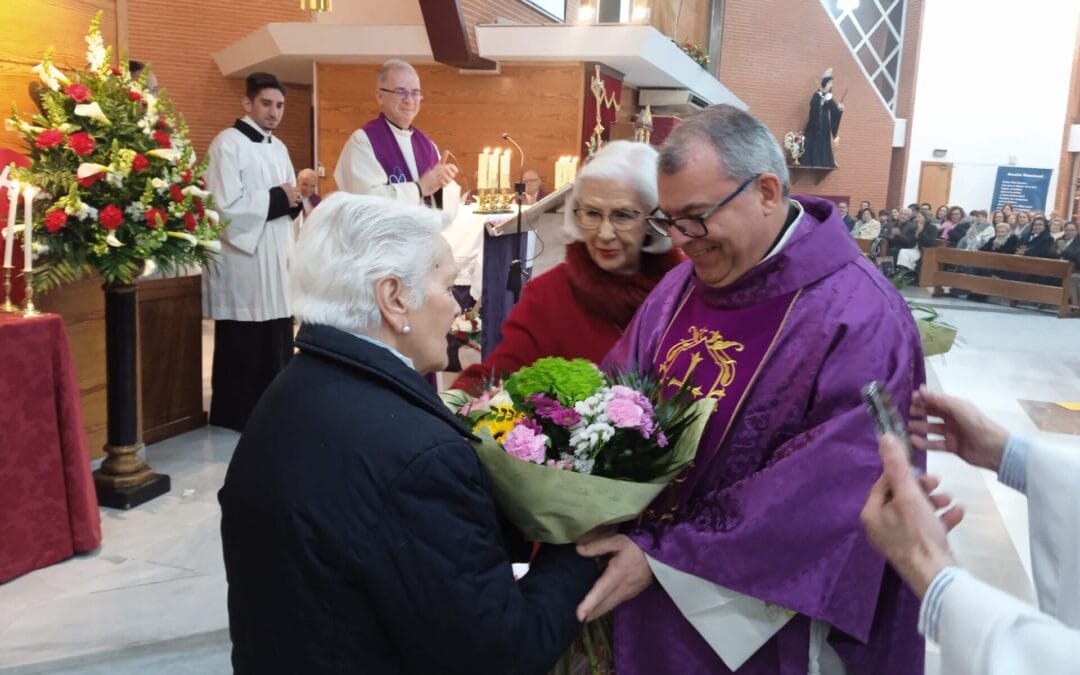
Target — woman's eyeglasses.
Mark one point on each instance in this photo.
(620, 219)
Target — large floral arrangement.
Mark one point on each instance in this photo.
(466, 328)
(795, 143)
(570, 448)
(122, 189)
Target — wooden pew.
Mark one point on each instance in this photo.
(934, 275)
(865, 245)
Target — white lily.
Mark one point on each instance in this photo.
(150, 268)
(213, 216)
(50, 75)
(95, 51)
(159, 183)
(150, 101)
(87, 169)
(186, 236)
(196, 192)
(168, 154)
(211, 245)
(93, 111)
(111, 240)
(22, 127)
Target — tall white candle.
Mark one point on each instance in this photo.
(558, 173)
(493, 169)
(504, 170)
(29, 192)
(573, 168)
(13, 214)
(482, 169)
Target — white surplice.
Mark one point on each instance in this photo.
(247, 282)
(359, 173)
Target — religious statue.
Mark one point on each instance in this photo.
(823, 125)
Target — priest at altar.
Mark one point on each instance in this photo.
(755, 559)
(388, 156)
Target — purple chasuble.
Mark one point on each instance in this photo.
(770, 507)
(389, 156)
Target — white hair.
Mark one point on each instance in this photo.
(348, 244)
(390, 66)
(631, 164)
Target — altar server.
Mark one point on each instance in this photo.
(981, 630)
(388, 156)
(755, 561)
(253, 182)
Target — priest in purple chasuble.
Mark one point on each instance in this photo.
(388, 156)
(754, 561)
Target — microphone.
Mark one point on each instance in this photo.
(521, 153)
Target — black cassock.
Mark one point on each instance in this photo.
(821, 127)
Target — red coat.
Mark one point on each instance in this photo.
(575, 310)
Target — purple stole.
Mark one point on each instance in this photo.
(389, 156)
(718, 353)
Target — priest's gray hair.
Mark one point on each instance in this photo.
(390, 66)
(350, 242)
(744, 145)
(631, 164)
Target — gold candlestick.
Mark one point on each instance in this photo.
(28, 306)
(7, 306)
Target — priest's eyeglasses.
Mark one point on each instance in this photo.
(403, 94)
(694, 226)
(620, 219)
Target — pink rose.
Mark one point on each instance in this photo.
(524, 443)
(625, 414)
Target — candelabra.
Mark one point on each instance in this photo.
(7, 306)
(28, 306)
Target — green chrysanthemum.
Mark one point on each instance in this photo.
(568, 381)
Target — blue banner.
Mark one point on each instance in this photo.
(1026, 189)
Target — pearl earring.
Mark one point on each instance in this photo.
(406, 329)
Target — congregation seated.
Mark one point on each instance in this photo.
(952, 229)
(1037, 242)
(1068, 246)
(907, 246)
(581, 307)
(1003, 241)
(867, 227)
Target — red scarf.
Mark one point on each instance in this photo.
(615, 297)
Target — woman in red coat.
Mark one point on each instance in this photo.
(580, 308)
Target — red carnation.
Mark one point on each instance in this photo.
(80, 93)
(200, 208)
(162, 139)
(81, 143)
(90, 180)
(190, 222)
(139, 163)
(134, 95)
(49, 138)
(177, 194)
(155, 217)
(186, 176)
(111, 217)
(115, 70)
(55, 219)
(162, 123)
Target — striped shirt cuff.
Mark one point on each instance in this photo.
(930, 612)
(1014, 460)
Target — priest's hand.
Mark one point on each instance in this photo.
(963, 430)
(627, 574)
(438, 176)
(900, 521)
(291, 193)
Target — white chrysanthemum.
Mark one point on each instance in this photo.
(115, 179)
(136, 211)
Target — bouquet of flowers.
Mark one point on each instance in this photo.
(570, 448)
(123, 189)
(466, 328)
(795, 143)
(697, 53)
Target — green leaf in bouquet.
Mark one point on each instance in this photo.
(557, 506)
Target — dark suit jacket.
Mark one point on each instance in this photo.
(360, 535)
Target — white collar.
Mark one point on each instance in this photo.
(788, 232)
(379, 343)
(251, 123)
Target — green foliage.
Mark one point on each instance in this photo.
(569, 381)
(141, 159)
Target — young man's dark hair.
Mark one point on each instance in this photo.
(256, 82)
(135, 68)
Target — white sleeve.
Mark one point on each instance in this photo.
(1053, 492)
(246, 209)
(983, 631)
(359, 173)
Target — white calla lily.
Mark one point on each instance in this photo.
(111, 240)
(149, 269)
(168, 154)
(50, 75)
(211, 245)
(92, 111)
(196, 192)
(87, 169)
(186, 236)
(213, 216)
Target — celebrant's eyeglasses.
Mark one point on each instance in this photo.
(403, 94)
(620, 219)
(694, 226)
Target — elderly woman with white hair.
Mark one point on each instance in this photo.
(358, 526)
(581, 307)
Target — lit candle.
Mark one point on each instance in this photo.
(493, 169)
(504, 171)
(558, 173)
(13, 213)
(482, 170)
(29, 192)
(573, 168)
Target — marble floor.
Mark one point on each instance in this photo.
(152, 598)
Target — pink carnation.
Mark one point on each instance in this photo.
(524, 443)
(625, 414)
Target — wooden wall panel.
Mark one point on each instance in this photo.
(683, 21)
(541, 106)
(27, 29)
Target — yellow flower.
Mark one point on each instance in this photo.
(499, 422)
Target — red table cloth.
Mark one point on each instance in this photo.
(48, 507)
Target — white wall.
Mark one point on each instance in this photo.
(992, 85)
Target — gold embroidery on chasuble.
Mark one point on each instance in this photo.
(702, 344)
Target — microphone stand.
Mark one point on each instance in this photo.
(515, 274)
